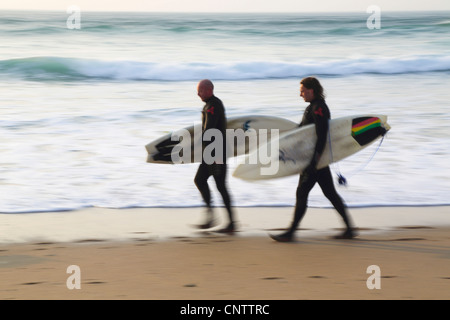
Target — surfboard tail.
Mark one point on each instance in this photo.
(367, 129)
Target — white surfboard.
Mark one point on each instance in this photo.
(347, 135)
(161, 150)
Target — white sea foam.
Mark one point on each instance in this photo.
(55, 68)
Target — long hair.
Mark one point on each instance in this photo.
(313, 83)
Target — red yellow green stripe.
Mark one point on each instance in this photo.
(365, 125)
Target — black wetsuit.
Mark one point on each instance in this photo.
(213, 117)
(319, 114)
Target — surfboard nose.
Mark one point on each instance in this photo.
(240, 172)
(245, 171)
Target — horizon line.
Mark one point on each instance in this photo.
(225, 12)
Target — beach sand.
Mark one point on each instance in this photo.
(125, 254)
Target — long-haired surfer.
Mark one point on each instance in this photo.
(318, 113)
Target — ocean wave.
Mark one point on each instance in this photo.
(59, 68)
(445, 23)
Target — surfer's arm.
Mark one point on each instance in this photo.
(321, 116)
(321, 131)
(210, 120)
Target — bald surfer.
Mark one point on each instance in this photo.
(213, 117)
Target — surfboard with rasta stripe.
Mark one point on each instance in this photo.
(347, 136)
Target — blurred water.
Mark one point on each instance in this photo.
(78, 106)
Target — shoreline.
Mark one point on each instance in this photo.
(412, 252)
(356, 206)
(104, 224)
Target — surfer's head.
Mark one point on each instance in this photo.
(205, 89)
(310, 89)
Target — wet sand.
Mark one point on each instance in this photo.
(412, 252)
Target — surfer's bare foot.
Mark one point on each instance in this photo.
(284, 237)
(348, 234)
(207, 225)
(210, 221)
(229, 229)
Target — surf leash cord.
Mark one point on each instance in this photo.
(341, 179)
